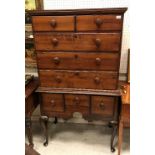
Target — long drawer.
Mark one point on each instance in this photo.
(80, 61)
(78, 79)
(77, 41)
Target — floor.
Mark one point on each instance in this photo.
(77, 139)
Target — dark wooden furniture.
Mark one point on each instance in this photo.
(125, 114)
(31, 102)
(78, 58)
(30, 151)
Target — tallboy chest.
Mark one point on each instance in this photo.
(78, 59)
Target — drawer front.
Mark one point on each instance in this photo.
(53, 41)
(98, 42)
(99, 23)
(80, 61)
(77, 103)
(77, 100)
(78, 41)
(102, 105)
(52, 102)
(53, 23)
(78, 79)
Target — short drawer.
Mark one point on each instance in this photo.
(77, 103)
(80, 61)
(54, 41)
(52, 102)
(77, 41)
(102, 105)
(99, 23)
(78, 79)
(53, 23)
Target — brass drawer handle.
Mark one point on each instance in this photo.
(98, 42)
(98, 22)
(56, 60)
(77, 100)
(58, 79)
(97, 80)
(53, 23)
(98, 61)
(52, 103)
(55, 41)
(102, 106)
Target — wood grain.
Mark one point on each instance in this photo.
(103, 105)
(78, 11)
(103, 92)
(78, 79)
(52, 102)
(99, 23)
(77, 103)
(80, 61)
(53, 23)
(77, 42)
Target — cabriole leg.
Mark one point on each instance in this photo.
(113, 124)
(55, 120)
(45, 119)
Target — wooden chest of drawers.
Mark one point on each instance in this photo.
(78, 57)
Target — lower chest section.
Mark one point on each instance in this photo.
(64, 105)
